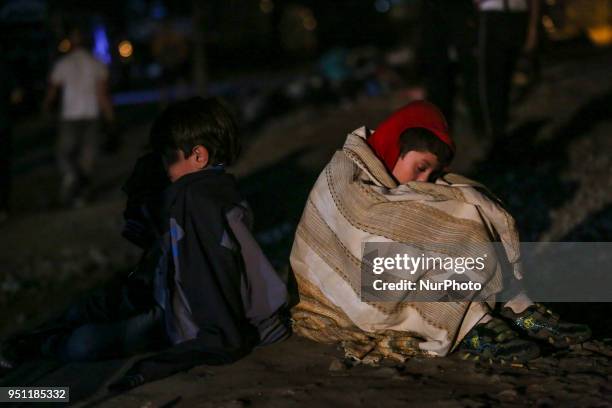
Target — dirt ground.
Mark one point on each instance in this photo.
(301, 373)
(554, 172)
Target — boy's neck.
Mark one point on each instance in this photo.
(217, 168)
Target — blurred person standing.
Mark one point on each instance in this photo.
(508, 30)
(448, 52)
(83, 81)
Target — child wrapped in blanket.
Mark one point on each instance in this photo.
(391, 186)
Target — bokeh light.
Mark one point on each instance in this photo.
(266, 6)
(101, 48)
(601, 35)
(125, 49)
(64, 46)
(382, 6)
(309, 22)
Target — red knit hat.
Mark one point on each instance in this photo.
(419, 114)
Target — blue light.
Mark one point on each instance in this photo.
(101, 49)
(158, 11)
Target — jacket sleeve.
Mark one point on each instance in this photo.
(264, 293)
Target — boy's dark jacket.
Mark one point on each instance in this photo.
(219, 294)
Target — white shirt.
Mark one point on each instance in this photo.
(500, 5)
(78, 73)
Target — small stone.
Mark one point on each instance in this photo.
(507, 395)
(534, 388)
(386, 372)
(337, 365)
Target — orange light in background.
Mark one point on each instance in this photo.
(64, 46)
(601, 35)
(548, 24)
(125, 49)
(310, 23)
(266, 6)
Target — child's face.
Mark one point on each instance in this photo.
(182, 165)
(416, 166)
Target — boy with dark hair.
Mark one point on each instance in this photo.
(203, 285)
(422, 140)
(197, 121)
(390, 186)
(425, 154)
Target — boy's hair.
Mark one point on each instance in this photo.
(197, 121)
(423, 140)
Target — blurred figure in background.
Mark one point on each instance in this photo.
(449, 40)
(508, 30)
(83, 81)
(9, 94)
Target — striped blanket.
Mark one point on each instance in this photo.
(355, 201)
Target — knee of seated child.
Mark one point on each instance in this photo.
(82, 345)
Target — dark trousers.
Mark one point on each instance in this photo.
(77, 151)
(448, 52)
(105, 324)
(501, 38)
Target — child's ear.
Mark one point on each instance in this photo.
(200, 154)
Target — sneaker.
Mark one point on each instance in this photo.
(541, 323)
(497, 342)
